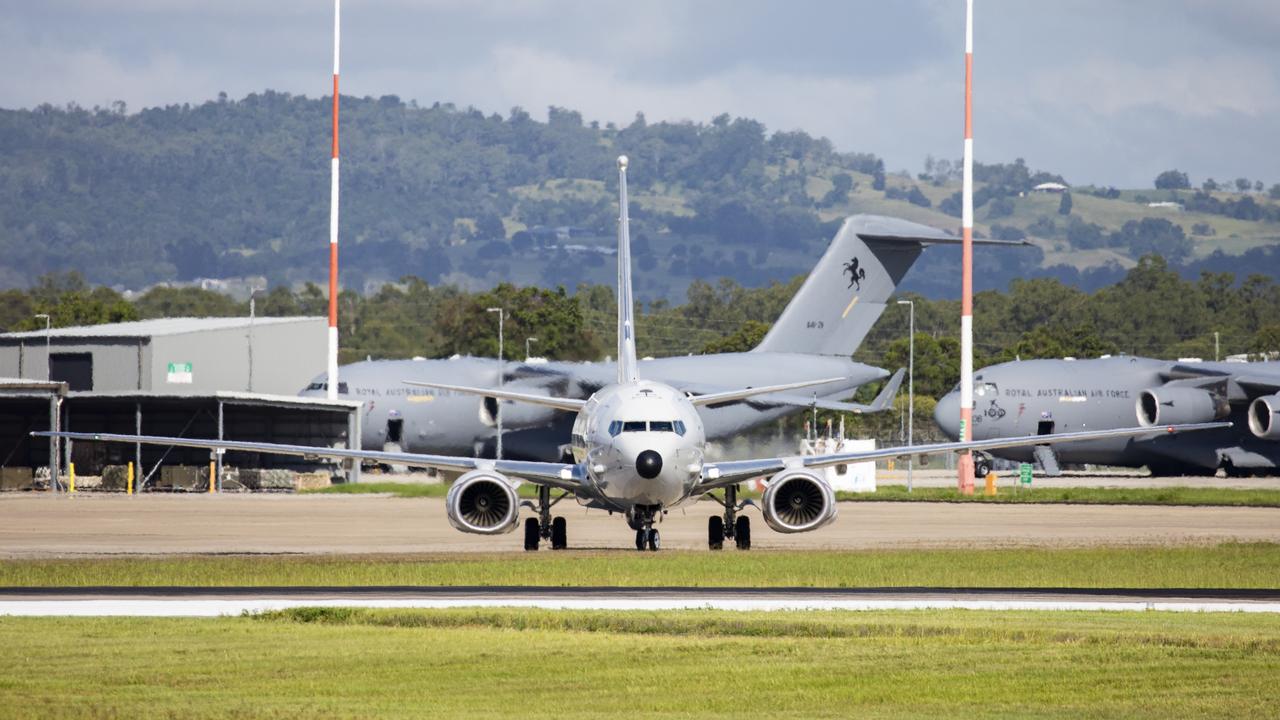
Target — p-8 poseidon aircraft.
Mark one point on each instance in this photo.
(638, 448)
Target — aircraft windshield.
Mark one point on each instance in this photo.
(618, 426)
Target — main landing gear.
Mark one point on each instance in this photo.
(545, 527)
(641, 520)
(733, 526)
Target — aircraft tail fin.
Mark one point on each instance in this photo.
(628, 367)
(848, 289)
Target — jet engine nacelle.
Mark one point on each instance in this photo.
(798, 501)
(1264, 417)
(483, 502)
(517, 415)
(1177, 405)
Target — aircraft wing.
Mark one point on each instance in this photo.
(715, 398)
(559, 403)
(883, 400)
(720, 474)
(1252, 378)
(558, 475)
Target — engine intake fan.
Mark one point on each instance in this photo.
(483, 502)
(798, 501)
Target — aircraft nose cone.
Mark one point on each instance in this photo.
(649, 464)
(947, 414)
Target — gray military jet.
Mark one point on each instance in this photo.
(638, 449)
(813, 338)
(1052, 396)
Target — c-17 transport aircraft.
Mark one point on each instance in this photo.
(819, 329)
(638, 450)
(1050, 396)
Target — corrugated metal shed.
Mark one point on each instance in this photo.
(156, 327)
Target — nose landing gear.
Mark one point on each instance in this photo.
(641, 519)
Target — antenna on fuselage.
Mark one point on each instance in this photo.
(627, 366)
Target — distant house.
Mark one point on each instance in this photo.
(1050, 187)
(1167, 204)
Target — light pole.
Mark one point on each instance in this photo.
(526, 346)
(252, 312)
(48, 359)
(911, 383)
(501, 316)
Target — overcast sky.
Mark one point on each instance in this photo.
(1100, 91)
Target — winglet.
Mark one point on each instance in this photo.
(628, 368)
(884, 399)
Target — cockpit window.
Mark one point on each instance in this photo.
(660, 426)
(615, 427)
(679, 427)
(633, 426)
(983, 389)
(342, 387)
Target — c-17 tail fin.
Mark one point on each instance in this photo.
(847, 290)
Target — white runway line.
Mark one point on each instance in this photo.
(231, 607)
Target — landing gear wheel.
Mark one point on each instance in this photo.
(715, 532)
(654, 540)
(742, 532)
(531, 534)
(981, 466)
(641, 537)
(559, 534)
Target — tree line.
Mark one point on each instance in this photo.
(1152, 311)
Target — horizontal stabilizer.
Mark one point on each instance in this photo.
(569, 404)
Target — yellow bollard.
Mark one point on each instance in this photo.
(128, 487)
(213, 479)
(991, 483)
(71, 477)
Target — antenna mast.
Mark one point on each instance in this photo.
(332, 385)
(966, 266)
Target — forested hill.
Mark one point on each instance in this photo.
(233, 188)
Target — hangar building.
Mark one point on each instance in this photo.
(228, 378)
(184, 356)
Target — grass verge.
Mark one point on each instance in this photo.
(1231, 565)
(1177, 495)
(525, 663)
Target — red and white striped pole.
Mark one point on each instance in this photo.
(966, 264)
(332, 384)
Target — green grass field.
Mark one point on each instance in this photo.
(518, 663)
(1254, 565)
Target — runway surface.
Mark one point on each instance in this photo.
(39, 525)
(207, 602)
